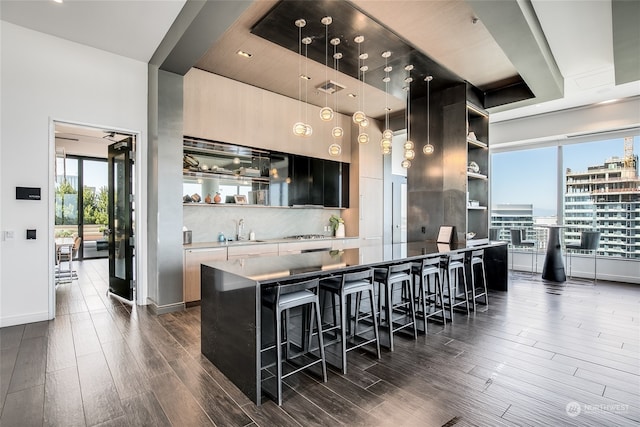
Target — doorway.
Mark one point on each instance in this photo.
(81, 216)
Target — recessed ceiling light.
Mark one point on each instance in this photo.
(608, 101)
(352, 95)
(57, 1)
(303, 77)
(244, 54)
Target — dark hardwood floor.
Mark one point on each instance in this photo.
(542, 354)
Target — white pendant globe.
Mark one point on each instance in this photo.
(409, 154)
(299, 129)
(337, 132)
(308, 130)
(387, 134)
(326, 114)
(358, 116)
(335, 150)
(385, 143)
(428, 149)
(363, 138)
(386, 150)
(405, 164)
(408, 145)
(364, 123)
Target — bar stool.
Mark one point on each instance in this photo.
(518, 242)
(398, 274)
(284, 297)
(352, 283)
(429, 298)
(453, 267)
(475, 258)
(589, 242)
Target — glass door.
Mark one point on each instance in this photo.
(120, 231)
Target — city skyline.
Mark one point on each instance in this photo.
(537, 171)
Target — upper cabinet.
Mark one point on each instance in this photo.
(216, 172)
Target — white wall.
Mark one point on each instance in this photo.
(45, 78)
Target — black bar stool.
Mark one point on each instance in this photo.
(517, 241)
(281, 299)
(430, 301)
(589, 242)
(352, 283)
(453, 267)
(476, 258)
(398, 274)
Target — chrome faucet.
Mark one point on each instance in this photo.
(240, 234)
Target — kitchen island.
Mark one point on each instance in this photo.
(234, 327)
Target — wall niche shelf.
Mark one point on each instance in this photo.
(264, 178)
(474, 175)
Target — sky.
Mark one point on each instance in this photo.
(536, 171)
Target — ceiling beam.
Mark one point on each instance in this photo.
(626, 40)
(199, 24)
(515, 27)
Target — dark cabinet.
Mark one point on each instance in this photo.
(318, 182)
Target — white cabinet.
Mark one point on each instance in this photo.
(193, 258)
(371, 208)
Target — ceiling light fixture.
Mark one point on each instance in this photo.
(308, 130)
(387, 134)
(337, 132)
(299, 128)
(359, 117)
(428, 149)
(409, 154)
(326, 113)
(240, 52)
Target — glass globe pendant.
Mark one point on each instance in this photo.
(337, 132)
(387, 134)
(428, 149)
(335, 150)
(409, 154)
(408, 145)
(405, 164)
(308, 130)
(299, 129)
(363, 138)
(358, 117)
(326, 114)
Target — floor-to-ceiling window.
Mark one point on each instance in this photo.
(584, 184)
(82, 213)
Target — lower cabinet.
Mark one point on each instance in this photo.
(248, 251)
(192, 260)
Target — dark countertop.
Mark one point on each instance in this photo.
(269, 270)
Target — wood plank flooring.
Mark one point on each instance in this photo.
(541, 354)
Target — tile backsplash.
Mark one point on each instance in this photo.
(206, 222)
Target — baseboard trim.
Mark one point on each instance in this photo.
(167, 308)
(24, 318)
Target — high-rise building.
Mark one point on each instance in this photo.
(504, 217)
(607, 198)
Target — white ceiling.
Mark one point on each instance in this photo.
(131, 28)
(578, 33)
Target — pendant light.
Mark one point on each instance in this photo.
(387, 134)
(359, 115)
(409, 153)
(337, 132)
(428, 149)
(299, 128)
(308, 130)
(326, 113)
